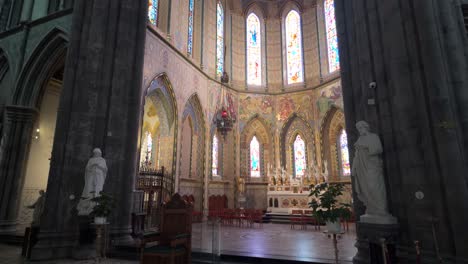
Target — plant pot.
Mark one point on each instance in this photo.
(333, 227)
(99, 220)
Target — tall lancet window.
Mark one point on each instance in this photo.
(153, 6)
(219, 39)
(148, 148)
(300, 163)
(254, 157)
(190, 29)
(332, 39)
(215, 155)
(344, 154)
(294, 62)
(254, 51)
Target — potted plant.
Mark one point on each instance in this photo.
(326, 207)
(104, 203)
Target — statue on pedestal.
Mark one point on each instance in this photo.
(368, 173)
(95, 176)
(38, 207)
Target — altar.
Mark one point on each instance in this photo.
(286, 193)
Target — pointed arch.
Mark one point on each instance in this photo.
(193, 111)
(255, 49)
(159, 115)
(48, 56)
(332, 125)
(293, 48)
(256, 127)
(296, 125)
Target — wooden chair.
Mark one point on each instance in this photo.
(297, 219)
(174, 237)
(310, 219)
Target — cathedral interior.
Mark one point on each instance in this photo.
(235, 105)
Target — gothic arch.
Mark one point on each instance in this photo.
(331, 127)
(293, 126)
(47, 57)
(258, 127)
(193, 112)
(160, 95)
(288, 6)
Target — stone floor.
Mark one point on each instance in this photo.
(273, 241)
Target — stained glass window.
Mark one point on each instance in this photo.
(254, 51)
(190, 28)
(299, 156)
(215, 155)
(153, 11)
(148, 148)
(332, 39)
(294, 48)
(254, 157)
(219, 39)
(344, 154)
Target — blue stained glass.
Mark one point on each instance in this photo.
(153, 6)
(344, 154)
(299, 156)
(294, 48)
(254, 51)
(215, 155)
(190, 28)
(254, 157)
(219, 39)
(332, 38)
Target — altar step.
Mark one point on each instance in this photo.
(278, 218)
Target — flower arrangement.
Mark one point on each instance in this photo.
(104, 205)
(324, 202)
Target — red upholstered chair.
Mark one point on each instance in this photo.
(174, 238)
(297, 219)
(310, 219)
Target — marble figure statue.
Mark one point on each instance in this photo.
(95, 176)
(367, 171)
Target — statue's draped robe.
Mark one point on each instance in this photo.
(368, 172)
(95, 176)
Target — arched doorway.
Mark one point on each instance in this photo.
(157, 146)
(29, 130)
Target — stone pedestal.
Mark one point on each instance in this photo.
(369, 237)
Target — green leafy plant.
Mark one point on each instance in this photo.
(324, 202)
(104, 205)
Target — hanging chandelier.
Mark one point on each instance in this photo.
(224, 119)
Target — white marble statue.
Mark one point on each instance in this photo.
(38, 207)
(368, 174)
(95, 176)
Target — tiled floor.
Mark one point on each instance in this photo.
(275, 241)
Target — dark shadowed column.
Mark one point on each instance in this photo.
(99, 107)
(415, 51)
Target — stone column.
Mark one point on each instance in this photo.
(413, 50)
(99, 107)
(14, 149)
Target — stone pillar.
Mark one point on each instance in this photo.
(99, 107)
(413, 51)
(14, 149)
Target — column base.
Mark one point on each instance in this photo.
(52, 245)
(369, 242)
(8, 227)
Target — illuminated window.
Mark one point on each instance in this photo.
(299, 157)
(153, 6)
(254, 157)
(190, 28)
(254, 51)
(215, 155)
(294, 63)
(332, 39)
(219, 39)
(344, 154)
